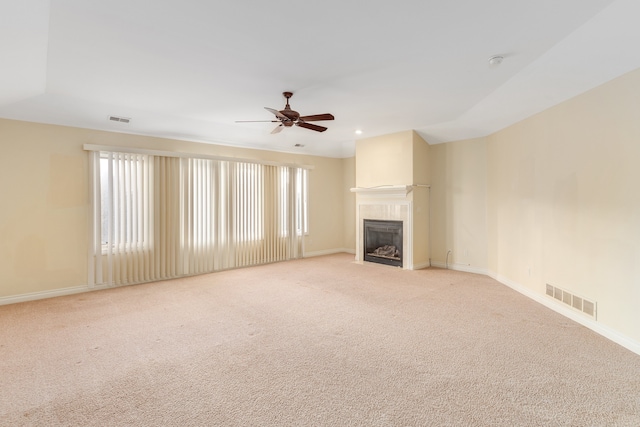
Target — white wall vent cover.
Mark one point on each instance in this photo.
(120, 119)
(576, 302)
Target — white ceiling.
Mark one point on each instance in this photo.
(189, 69)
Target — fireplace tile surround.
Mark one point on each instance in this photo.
(390, 203)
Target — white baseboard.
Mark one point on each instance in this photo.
(329, 252)
(421, 266)
(460, 267)
(32, 296)
(599, 328)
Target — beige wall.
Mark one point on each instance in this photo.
(43, 220)
(421, 176)
(400, 158)
(563, 201)
(421, 160)
(458, 204)
(349, 211)
(420, 203)
(385, 160)
(44, 190)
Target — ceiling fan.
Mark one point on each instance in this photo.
(289, 117)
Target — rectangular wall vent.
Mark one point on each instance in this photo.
(579, 303)
(119, 119)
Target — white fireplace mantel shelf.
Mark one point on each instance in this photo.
(388, 191)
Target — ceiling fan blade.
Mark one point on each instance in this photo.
(277, 113)
(311, 126)
(257, 121)
(278, 128)
(317, 117)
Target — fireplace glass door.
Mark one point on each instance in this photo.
(383, 242)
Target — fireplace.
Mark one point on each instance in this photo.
(382, 242)
(407, 205)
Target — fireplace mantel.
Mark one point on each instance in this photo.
(384, 191)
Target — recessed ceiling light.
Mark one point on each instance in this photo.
(496, 60)
(358, 132)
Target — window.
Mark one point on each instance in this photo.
(158, 216)
(294, 180)
(198, 195)
(302, 187)
(248, 202)
(124, 194)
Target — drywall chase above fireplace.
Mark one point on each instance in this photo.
(405, 203)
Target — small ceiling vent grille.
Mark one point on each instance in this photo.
(125, 120)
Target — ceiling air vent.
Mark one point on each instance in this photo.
(125, 120)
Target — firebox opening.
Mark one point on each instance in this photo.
(383, 242)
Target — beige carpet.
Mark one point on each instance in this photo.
(315, 342)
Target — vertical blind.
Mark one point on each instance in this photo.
(159, 217)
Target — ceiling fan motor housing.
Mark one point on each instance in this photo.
(288, 112)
